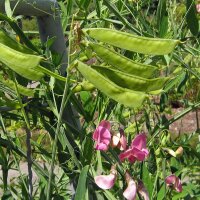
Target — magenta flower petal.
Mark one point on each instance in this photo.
(106, 181)
(125, 154)
(137, 151)
(131, 159)
(138, 154)
(105, 124)
(139, 142)
(131, 190)
(174, 182)
(101, 147)
(102, 135)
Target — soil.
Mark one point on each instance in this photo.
(187, 124)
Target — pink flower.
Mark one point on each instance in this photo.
(102, 136)
(143, 191)
(106, 181)
(198, 8)
(131, 190)
(174, 182)
(137, 150)
(119, 140)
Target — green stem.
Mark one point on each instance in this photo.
(7, 135)
(155, 184)
(62, 107)
(28, 138)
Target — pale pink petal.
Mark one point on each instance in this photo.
(131, 190)
(139, 142)
(115, 140)
(198, 8)
(146, 152)
(143, 191)
(105, 181)
(178, 185)
(123, 142)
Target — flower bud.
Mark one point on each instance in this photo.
(179, 152)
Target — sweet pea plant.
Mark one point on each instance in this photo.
(109, 129)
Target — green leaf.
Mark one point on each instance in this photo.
(8, 105)
(82, 187)
(111, 6)
(109, 195)
(147, 179)
(161, 193)
(162, 18)
(8, 10)
(13, 44)
(191, 17)
(19, 32)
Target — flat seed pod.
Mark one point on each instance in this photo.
(130, 81)
(23, 64)
(122, 63)
(124, 96)
(145, 45)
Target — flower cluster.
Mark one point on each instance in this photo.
(137, 151)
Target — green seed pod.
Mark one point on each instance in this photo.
(122, 63)
(130, 81)
(145, 45)
(124, 96)
(23, 64)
